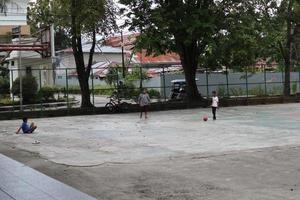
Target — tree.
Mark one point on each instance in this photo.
(41, 15)
(184, 27)
(289, 14)
(4, 81)
(30, 87)
(239, 43)
(281, 23)
(80, 18)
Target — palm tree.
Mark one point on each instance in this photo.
(3, 6)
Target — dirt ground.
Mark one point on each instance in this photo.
(261, 164)
(268, 174)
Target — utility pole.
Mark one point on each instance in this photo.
(123, 62)
(20, 68)
(52, 44)
(17, 31)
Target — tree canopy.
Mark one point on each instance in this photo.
(77, 19)
(184, 27)
(212, 34)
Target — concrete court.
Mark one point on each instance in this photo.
(19, 182)
(174, 142)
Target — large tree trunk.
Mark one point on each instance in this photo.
(189, 61)
(287, 77)
(83, 75)
(288, 52)
(82, 72)
(83, 78)
(85, 92)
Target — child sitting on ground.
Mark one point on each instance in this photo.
(26, 128)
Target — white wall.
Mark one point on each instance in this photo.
(16, 13)
(68, 61)
(41, 69)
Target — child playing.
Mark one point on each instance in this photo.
(26, 128)
(144, 102)
(215, 104)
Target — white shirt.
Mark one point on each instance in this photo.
(215, 101)
(144, 99)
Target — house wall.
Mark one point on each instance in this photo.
(68, 61)
(41, 69)
(5, 30)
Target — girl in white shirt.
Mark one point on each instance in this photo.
(214, 104)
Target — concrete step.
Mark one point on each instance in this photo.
(19, 182)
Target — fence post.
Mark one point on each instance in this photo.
(141, 77)
(227, 82)
(207, 87)
(299, 78)
(247, 88)
(93, 93)
(265, 79)
(118, 95)
(67, 88)
(40, 83)
(282, 81)
(164, 82)
(13, 96)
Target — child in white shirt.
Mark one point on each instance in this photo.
(214, 104)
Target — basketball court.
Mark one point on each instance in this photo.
(174, 138)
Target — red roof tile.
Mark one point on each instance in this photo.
(142, 57)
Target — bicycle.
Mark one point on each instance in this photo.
(115, 105)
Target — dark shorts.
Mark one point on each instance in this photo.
(144, 108)
(29, 131)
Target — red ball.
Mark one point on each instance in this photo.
(205, 118)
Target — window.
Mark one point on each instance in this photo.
(12, 63)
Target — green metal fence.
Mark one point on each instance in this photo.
(63, 90)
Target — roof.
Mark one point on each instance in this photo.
(128, 41)
(168, 58)
(98, 49)
(142, 57)
(99, 69)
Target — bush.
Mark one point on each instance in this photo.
(29, 88)
(128, 90)
(7, 101)
(154, 93)
(72, 90)
(237, 92)
(4, 86)
(47, 93)
(103, 90)
(221, 91)
(276, 90)
(294, 88)
(257, 91)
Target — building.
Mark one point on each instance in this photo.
(25, 54)
(102, 54)
(32, 63)
(14, 15)
(104, 57)
(169, 62)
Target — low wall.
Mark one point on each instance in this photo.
(160, 106)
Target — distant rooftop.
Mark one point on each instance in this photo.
(98, 49)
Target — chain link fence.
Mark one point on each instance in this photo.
(59, 89)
